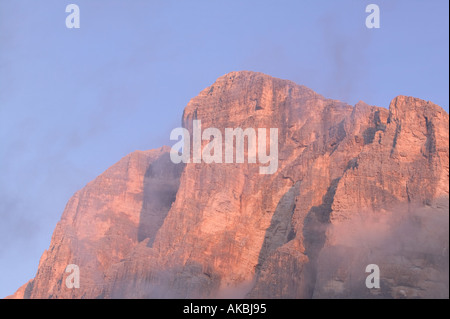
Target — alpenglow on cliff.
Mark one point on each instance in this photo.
(355, 185)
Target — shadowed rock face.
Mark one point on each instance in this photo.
(148, 228)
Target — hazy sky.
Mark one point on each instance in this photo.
(74, 101)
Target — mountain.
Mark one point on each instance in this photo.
(355, 185)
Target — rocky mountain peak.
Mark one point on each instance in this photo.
(149, 228)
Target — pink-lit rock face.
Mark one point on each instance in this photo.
(148, 228)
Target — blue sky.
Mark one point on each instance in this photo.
(74, 101)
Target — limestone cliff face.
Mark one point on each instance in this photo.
(391, 209)
(148, 228)
(104, 221)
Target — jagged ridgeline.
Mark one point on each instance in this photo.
(355, 185)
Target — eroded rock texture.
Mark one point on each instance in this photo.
(355, 185)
